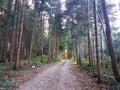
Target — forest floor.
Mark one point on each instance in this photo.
(12, 79)
(61, 76)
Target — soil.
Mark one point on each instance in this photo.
(56, 77)
(61, 76)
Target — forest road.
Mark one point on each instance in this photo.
(56, 77)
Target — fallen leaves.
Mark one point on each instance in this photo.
(87, 82)
(17, 78)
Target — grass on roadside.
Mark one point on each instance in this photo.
(44, 58)
(56, 60)
(38, 58)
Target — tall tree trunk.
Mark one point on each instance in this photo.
(110, 45)
(68, 44)
(20, 39)
(101, 46)
(41, 35)
(57, 46)
(77, 48)
(17, 31)
(31, 45)
(79, 56)
(12, 47)
(33, 30)
(92, 56)
(50, 38)
(31, 41)
(49, 43)
(106, 41)
(5, 46)
(76, 51)
(88, 32)
(53, 40)
(0, 35)
(52, 45)
(96, 39)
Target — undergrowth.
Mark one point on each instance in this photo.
(115, 85)
(107, 76)
(5, 66)
(5, 82)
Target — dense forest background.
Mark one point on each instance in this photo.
(83, 31)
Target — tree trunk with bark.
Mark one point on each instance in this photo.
(33, 32)
(110, 45)
(41, 35)
(88, 33)
(96, 43)
(49, 45)
(20, 39)
(79, 52)
(12, 46)
(5, 45)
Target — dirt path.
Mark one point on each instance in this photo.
(57, 77)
